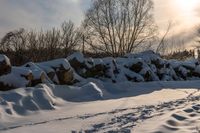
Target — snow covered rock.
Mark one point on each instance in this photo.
(39, 76)
(19, 77)
(65, 76)
(197, 71)
(5, 66)
(134, 64)
(146, 56)
(59, 71)
(111, 68)
(76, 60)
(94, 68)
(190, 64)
(159, 63)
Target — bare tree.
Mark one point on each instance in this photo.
(14, 44)
(198, 36)
(88, 37)
(70, 37)
(41, 45)
(14, 41)
(169, 42)
(162, 46)
(52, 39)
(120, 26)
(197, 42)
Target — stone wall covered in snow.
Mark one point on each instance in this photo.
(143, 67)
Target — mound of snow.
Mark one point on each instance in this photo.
(147, 56)
(24, 101)
(77, 56)
(19, 77)
(87, 92)
(55, 64)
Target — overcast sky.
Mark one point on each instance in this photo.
(37, 14)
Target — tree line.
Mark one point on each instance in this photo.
(23, 45)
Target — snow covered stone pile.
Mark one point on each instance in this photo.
(142, 67)
(55, 72)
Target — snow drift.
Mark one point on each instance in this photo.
(24, 101)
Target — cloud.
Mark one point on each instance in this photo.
(36, 14)
(185, 21)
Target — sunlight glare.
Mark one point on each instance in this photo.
(187, 11)
(187, 5)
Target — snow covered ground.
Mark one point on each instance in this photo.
(96, 106)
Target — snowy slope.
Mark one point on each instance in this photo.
(96, 106)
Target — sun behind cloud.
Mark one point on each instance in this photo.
(186, 11)
(187, 5)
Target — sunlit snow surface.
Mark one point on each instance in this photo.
(95, 106)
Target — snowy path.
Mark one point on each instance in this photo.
(184, 120)
(123, 120)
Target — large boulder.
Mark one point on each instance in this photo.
(76, 60)
(49, 71)
(134, 64)
(59, 71)
(94, 68)
(39, 76)
(137, 67)
(158, 63)
(182, 72)
(65, 76)
(111, 68)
